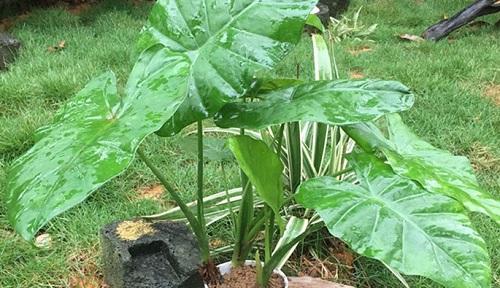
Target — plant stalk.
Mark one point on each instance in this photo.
(195, 225)
(345, 171)
(200, 205)
(269, 231)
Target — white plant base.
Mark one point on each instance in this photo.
(225, 268)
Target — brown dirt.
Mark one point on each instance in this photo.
(493, 92)
(154, 192)
(359, 50)
(245, 277)
(356, 73)
(335, 263)
(133, 230)
(9, 22)
(77, 9)
(84, 269)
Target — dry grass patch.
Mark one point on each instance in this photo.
(356, 73)
(483, 159)
(133, 230)
(336, 264)
(154, 192)
(359, 50)
(492, 92)
(84, 269)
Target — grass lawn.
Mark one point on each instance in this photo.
(455, 83)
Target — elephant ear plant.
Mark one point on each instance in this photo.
(199, 60)
(406, 207)
(197, 56)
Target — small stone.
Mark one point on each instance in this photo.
(157, 255)
(9, 48)
(43, 240)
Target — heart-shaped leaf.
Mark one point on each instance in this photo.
(331, 102)
(93, 139)
(437, 170)
(227, 42)
(393, 219)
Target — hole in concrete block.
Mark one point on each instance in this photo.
(155, 254)
(148, 248)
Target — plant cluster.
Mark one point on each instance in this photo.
(406, 207)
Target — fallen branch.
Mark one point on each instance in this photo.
(475, 10)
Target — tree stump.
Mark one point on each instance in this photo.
(467, 15)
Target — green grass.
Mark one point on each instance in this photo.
(450, 112)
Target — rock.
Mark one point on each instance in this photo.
(335, 7)
(9, 48)
(309, 282)
(330, 8)
(323, 14)
(138, 254)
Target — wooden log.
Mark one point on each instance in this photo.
(445, 27)
(309, 282)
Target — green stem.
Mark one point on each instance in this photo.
(345, 171)
(199, 204)
(195, 225)
(231, 211)
(269, 229)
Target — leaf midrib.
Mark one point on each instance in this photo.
(194, 53)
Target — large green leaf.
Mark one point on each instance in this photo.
(262, 166)
(393, 219)
(93, 139)
(331, 102)
(437, 170)
(227, 42)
